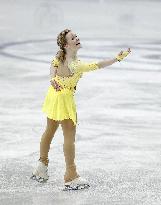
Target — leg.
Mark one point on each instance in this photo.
(69, 131)
(46, 139)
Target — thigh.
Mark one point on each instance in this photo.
(52, 125)
(69, 129)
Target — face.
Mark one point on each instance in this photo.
(73, 41)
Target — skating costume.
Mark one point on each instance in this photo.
(60, 105)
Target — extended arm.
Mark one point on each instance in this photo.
(119, 57)
(104, 63)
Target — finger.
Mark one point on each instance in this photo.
(121, 53)
(53, 86)
(58, 88)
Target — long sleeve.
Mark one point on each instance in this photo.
(82, 67)
(53, 68)
(52, 71)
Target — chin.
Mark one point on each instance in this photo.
(80, 46)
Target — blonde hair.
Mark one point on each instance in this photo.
(61, 42)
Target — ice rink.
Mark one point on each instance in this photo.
(118, 139)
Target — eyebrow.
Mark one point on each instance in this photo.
(73, 35)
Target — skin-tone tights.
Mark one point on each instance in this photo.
(69, 131)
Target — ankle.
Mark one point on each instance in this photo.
(45, 161)
(71, 173)
(68, 178)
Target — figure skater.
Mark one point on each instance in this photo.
(59, 105)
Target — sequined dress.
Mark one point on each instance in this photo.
(60, 105)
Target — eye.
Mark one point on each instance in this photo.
(74, 37)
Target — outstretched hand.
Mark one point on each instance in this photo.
(123, 54)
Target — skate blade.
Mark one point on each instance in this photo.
(79, 187)
(38, 179)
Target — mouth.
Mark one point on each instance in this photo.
(77, 43)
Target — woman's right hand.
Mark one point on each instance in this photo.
(56, 86)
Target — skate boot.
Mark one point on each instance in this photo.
(40, 173)
(76, 184)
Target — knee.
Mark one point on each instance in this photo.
(51, 130)
(69, 143)
(68, 126)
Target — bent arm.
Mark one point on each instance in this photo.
(53, 68)
(53, 71)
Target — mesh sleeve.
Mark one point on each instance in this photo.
(53, 68)
(86, 67)
(52, 71)
(55, 62)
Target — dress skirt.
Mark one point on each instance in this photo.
(60, 105)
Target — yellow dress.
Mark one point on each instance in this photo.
(60, 105)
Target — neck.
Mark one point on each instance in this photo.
(71, 55)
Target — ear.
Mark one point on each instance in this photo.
(66, 45)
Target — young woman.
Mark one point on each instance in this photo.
(59, 105)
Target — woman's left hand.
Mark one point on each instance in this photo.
(123, 54)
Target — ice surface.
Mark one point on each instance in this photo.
(118, 140)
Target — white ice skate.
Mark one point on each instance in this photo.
(76, 184)
(40, 173)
